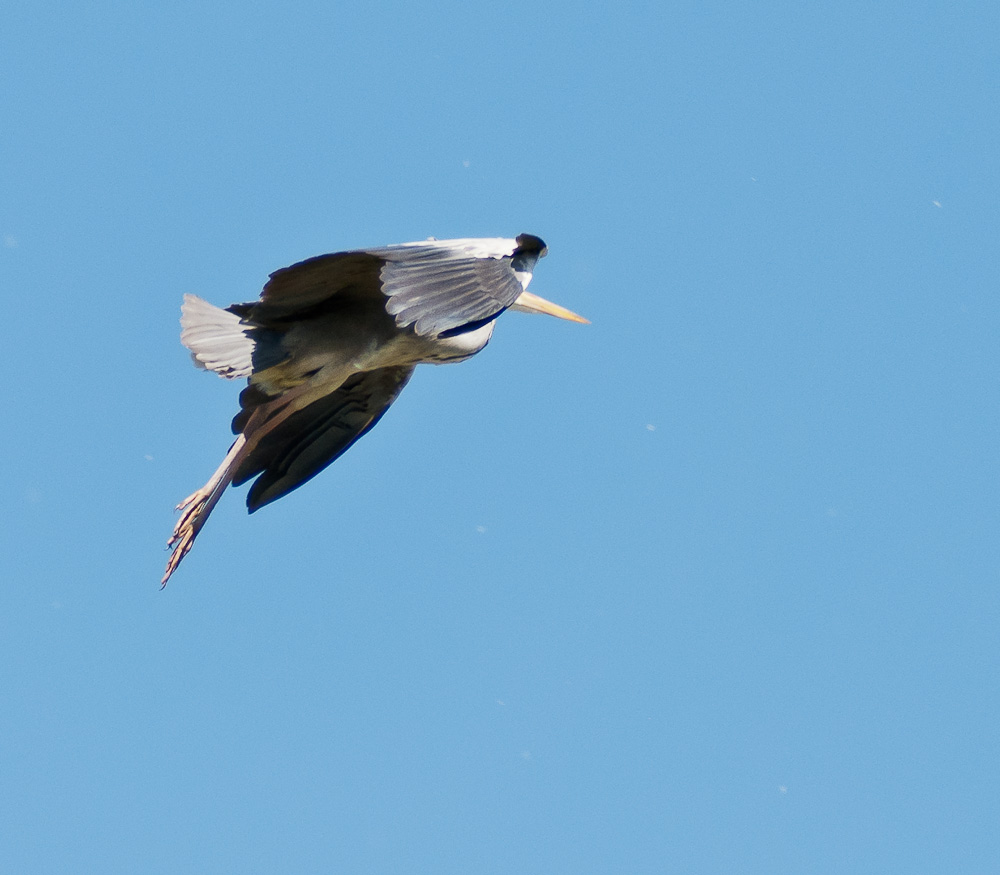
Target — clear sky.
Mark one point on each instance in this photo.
(710, 585)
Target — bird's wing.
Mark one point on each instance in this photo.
(298, 291)
(306, 442)
(441, 287)
(438, 287)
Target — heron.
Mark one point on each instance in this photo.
(330, 344)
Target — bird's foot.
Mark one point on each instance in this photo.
(182, 544)
(192, 506)
(185, 531)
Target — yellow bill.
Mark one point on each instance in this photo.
(529, 303)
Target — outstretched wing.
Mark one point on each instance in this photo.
(307, 441)
(440, 287)
(437, 287)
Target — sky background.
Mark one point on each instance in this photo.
(710, 585)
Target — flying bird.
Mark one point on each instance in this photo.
(331, 343)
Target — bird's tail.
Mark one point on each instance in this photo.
(219, 340)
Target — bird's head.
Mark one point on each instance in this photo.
(529, 249)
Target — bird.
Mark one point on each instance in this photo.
(330, 344)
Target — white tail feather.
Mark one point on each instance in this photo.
(218, 339)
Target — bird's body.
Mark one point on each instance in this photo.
(331, 343)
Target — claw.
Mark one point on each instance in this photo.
(192, 507)
(196, 508)
(184, 542)
(193, 497)
(185, 531)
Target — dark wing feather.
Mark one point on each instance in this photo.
(310, 439)
(436, 290)
(297, 291)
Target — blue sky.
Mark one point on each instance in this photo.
(709, 585)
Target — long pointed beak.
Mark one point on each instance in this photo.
(529, 303)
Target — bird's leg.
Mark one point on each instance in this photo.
(197, 506)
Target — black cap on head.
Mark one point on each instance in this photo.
(529, 244)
